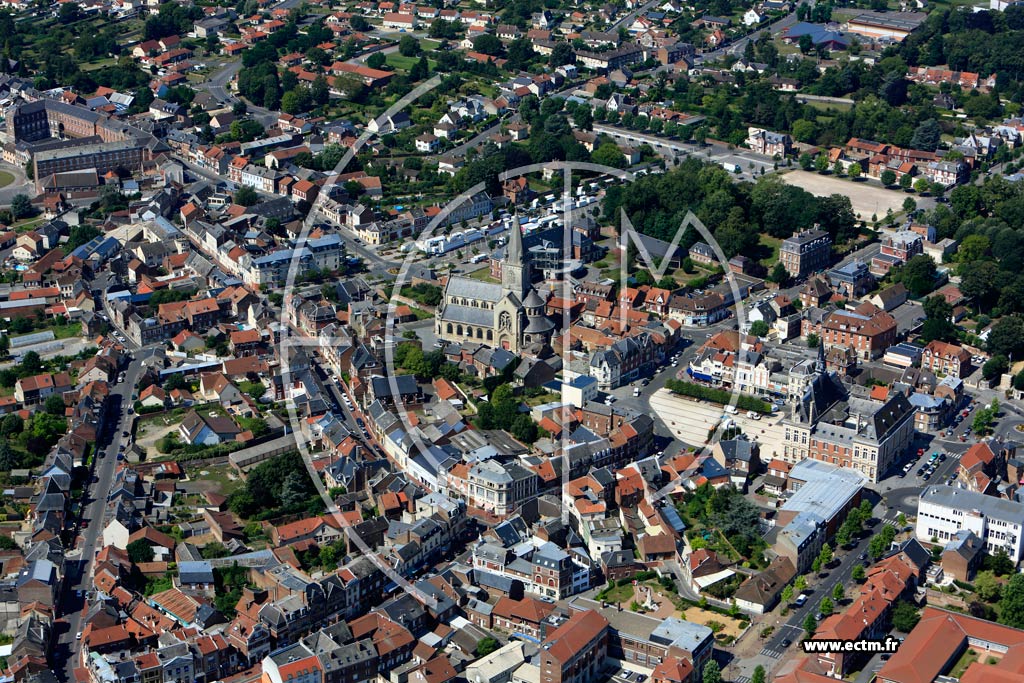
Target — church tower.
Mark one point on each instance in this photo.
(515, 271)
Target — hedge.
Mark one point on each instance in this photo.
(720, 396)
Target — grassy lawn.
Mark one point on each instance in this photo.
(484, 275)
(93, 66)
(429, 44)
(825, 106)
(222, 478)
(968, 658)
(6, 178)
(67, 331)
(28, 224)
(403, 63)
(772, 245)
(618, 594)
(546, 397)
(420, 313)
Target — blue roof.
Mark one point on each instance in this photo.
(818, 33)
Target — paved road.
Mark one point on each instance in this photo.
(20, 185)
(625, 20)
(217, 86)
(80, 578)
(737, 47)
(792, 629)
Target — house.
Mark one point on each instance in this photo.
(153, 396)
(943, 358)
(36, 388)
(207, 429)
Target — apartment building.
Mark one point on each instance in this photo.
(943, 358)
(575, 652)
(806, 252)
(943, 511)
(498, 488)
(867, 331)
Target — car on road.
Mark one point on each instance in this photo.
(78, 636)
(786, 642)
(800, 600)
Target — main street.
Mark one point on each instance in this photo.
(79, 572)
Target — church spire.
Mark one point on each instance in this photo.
(514, 253)
(820, 365)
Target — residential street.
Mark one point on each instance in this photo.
(80, 568)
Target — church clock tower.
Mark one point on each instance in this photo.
(515, 271)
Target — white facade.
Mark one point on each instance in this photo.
(942, 511)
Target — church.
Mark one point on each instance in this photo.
(509, 315)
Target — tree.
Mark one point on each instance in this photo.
(803, 130)
(858, 573)
(909, 205)
(562, 53)
(995, 367)
(486, 646)
(806, 161)
(759, 675)
(712, 672)
(810, 624)
(779, 275)
(821, 163)
(826, 607)
(408, 46)
(488, 44)
(787, 594)
(608, 154)
(906, 180)
(921, 185)
(918, 274)
(21, 205)
(54, 405)
(838, 593)
(888, 178)
(825, 554)
(837, 168)
(987, 587)
(5, 345)
(759, 328)
(800, 583)
(140, 551)
(973, 248)
(926, 136)
(855, 170)
(11, 424)
(246, 196)
(1007, 336)
(999, 563)
(1011, 606)
(905, 617)
(813, 341)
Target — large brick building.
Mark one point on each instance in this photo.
(575, 651)
(867, 331)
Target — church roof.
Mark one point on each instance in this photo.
(468, 315)
(533, 300)
(473, 289)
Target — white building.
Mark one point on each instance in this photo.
(942, 511)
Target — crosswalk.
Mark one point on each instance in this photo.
(741, 679)
(774, 653)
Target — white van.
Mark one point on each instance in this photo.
(731, 410)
